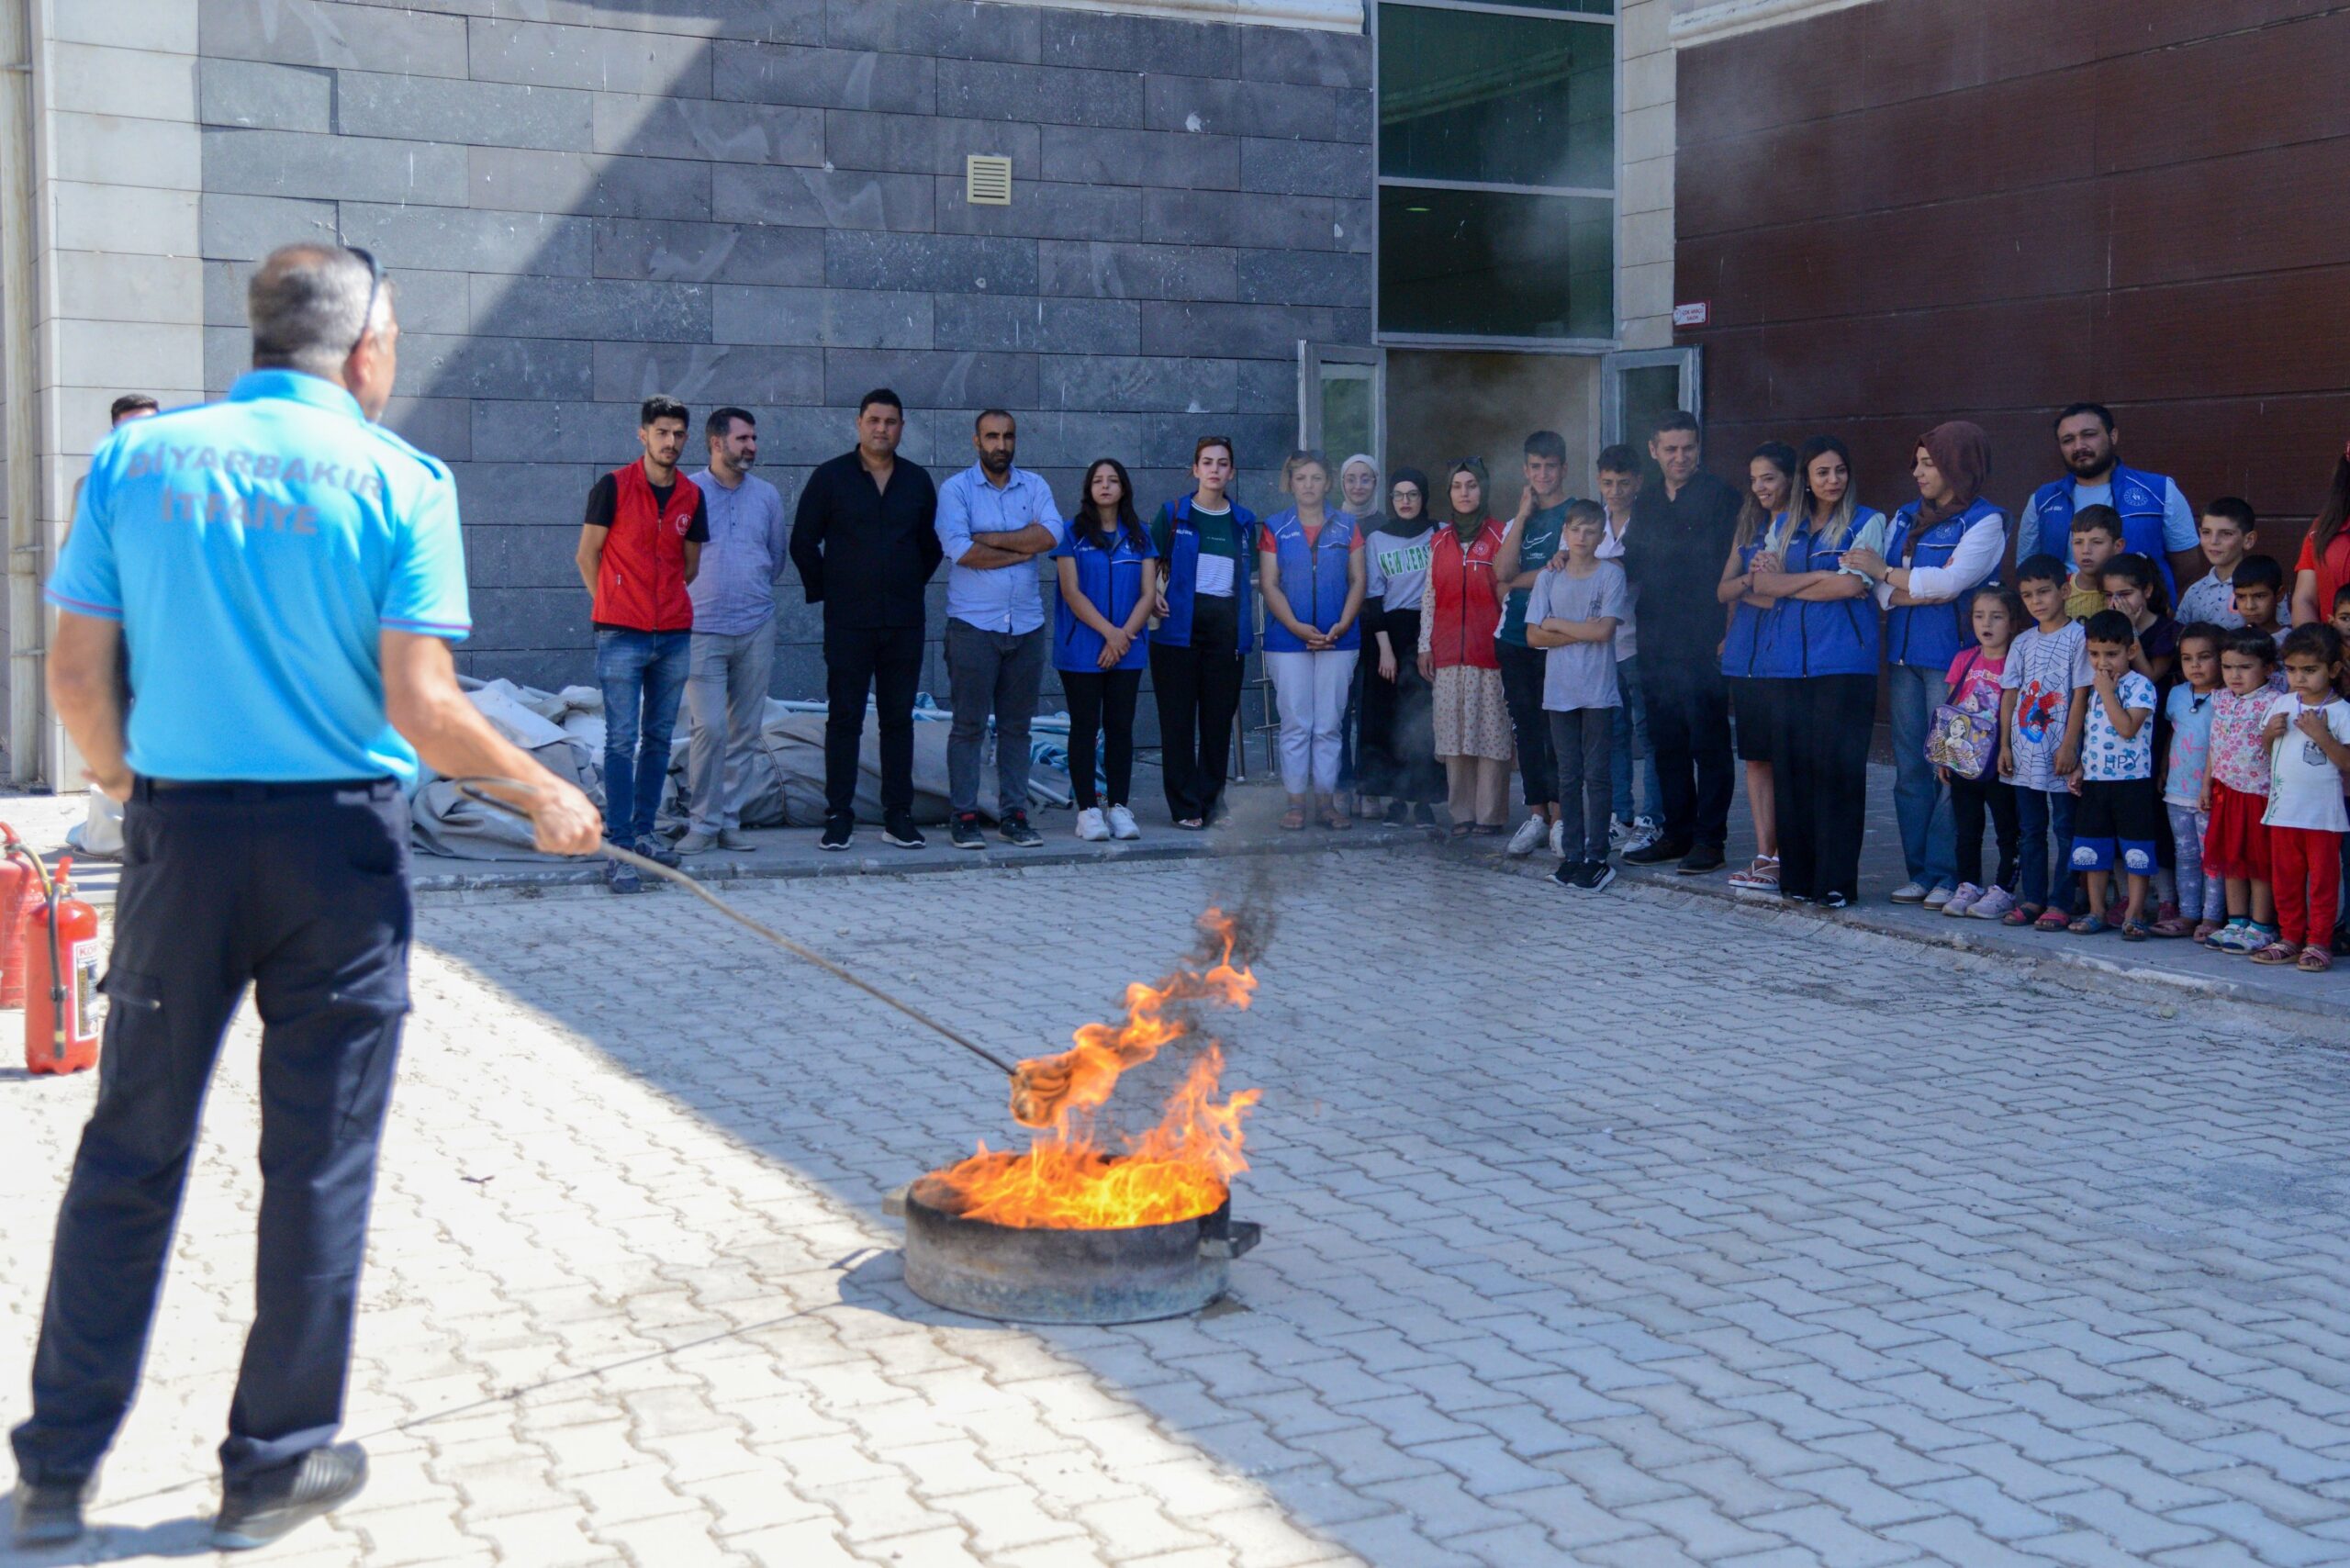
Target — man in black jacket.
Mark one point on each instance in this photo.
(1673, 555)
(865, 544)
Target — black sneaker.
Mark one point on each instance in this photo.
(1014, 829)
(1565, 873)
(276, 1501)
(965, 832)
(49, 1513)
(1423, 816)
(1834, 900)
(622, 879)
(1657, 853)
(838, 831)
(658, 850)
(1596, 875)
(1701, 859)
(899, 828)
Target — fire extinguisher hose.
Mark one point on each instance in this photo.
(13, 847)
(477, 790)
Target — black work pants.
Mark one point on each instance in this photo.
(301, 890)
(1101, 705)
(1584, 740)
(1398, 755)
(1689, 738)
(1537, 763)
(1198, 689)
(1819, 770)
(887, 661)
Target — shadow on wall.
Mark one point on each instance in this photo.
(763, 203)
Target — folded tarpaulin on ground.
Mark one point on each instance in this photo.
(786, 786)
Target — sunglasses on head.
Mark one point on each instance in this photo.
(375, 287)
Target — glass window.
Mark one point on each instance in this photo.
(1498, 99)
(1348, 423)
(1489, 264)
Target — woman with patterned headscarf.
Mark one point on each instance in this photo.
(1463, 609)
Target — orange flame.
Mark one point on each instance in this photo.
(1066, 1181)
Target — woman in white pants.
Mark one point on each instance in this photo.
(1310, 565)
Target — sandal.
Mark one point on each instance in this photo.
(1338, 821)
(2023, 914)
(2135, 931)
(2279, 952)
(2051, 919)
(1462, 830)
(1292, 819)
(2205, 930)
(2088, 926)
(1191, 824)
(2314, 960)
(2172, 925)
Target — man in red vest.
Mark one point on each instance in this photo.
(640, 546)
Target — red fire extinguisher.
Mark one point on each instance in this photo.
(20, 894)
(61, 961)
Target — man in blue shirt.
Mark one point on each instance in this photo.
(994, 520)
(2156, 518)
(732, 656)
(288, 577)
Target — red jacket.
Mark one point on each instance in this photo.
(1462, 608)
(642, 583)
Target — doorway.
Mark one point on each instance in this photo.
(1447, 404)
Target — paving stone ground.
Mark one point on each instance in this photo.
(1632, 1230)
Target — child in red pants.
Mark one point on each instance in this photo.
(2308, 735)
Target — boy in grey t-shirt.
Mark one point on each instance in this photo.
(1572, 612)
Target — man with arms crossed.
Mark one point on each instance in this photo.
(288, 577)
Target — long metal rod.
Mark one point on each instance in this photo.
(470, 788)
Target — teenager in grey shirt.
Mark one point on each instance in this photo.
(1572, 612)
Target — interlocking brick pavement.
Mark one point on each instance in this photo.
(1618, 1230)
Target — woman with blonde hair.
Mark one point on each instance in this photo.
(1473, 739)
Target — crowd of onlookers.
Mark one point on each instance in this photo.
(2141, 709)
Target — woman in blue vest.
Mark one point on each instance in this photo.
(1941, 548)
(1753, 663)
(1200, 645)
(1109, 577)
(1829, 636)
(1310, 566)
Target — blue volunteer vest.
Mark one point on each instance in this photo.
(1183, 567)
(1929, 635)
(1753, 647)
(1314, 578)
(1110, 581)
(1831, 636)
(2138, 497)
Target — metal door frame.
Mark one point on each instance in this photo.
(1691, 364)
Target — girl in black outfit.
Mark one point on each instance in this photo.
(1398, 754)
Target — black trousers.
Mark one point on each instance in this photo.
(1538, 765)
(1101, 705)
(1398, 757)
(1970, 800)
(302, 892)
(1689, 738)
(887, 661)
(1584, 740)
(1199, 691)
(1820, 769)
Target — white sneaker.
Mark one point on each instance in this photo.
(1938, 899)
(1644, 833)
(1091, 827)
(1122, 823)
(1558, 838)
(1529, 833)
(1909, 892)
(1959, 900)
(1619, 830)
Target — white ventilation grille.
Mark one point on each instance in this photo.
(987, 180)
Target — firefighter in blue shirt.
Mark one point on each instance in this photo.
(288, 577)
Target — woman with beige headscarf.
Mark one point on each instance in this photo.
(1473, 739)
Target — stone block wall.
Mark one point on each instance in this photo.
(761, 202)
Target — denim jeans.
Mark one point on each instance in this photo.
(1920, 803)
(2041, 816)
(1630, 740)
(642, 675)
(991, 675)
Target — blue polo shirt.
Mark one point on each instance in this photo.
(994, 598)
(254, 551)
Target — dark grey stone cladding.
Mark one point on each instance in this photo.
(761, 202)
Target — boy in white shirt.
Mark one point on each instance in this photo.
(2119, 820)
(2227, 535)
(2308, 735)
